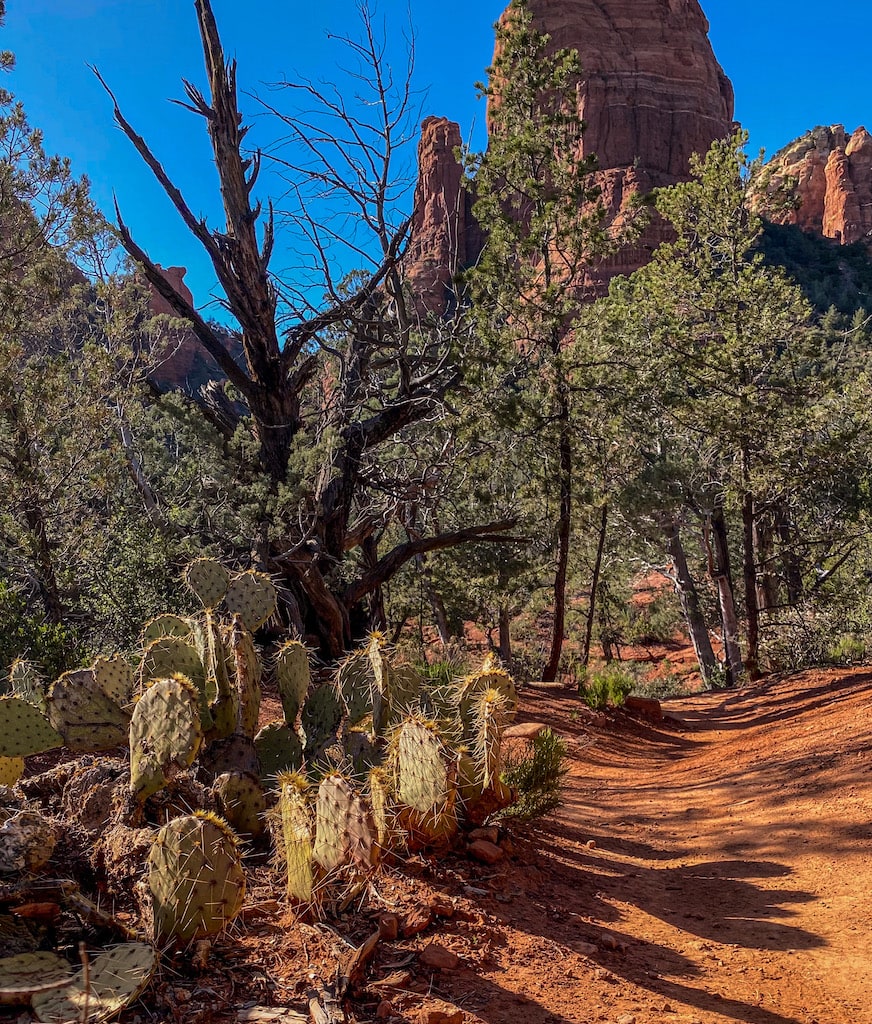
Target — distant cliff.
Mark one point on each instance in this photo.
(653, 93)
(830, 173)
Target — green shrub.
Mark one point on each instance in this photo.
(655, 622)
(55, 648)
(668, 684)
(610, 685)
(537, 777)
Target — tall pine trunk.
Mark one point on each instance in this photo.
(689, 599)
(723, 577)
(749, 574)
(564, 533)
(594, 585)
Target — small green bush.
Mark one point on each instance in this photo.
(610, 685)
(54, 648)
(537, 777)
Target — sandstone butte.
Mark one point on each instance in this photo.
(653, 94)
(831, 172)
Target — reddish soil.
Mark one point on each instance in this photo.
(713, 867)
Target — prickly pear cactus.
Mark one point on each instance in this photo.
(165, 734)
(279, 750)
(378, 784)
(220, 688)
(294, 825)
(355, 682)
(114, 979)
(246, 676)
(424, 780)
(489, 677)
(321, 717)
(251, 596)
(344, 829)
(166, 655)
(80, 710)
(293, 677)
(24, 729)
(115, 678)
(196, 878)
(25, 681)
(25, 974)
(241, 801)
(165, 625)
(490, 712)
(208, 580)
(11, 770)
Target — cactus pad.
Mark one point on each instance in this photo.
(27, 973)
(81, 712)
(293, 677)
(355, 683)
(278, 750)
(196, 878)
(11, 770)
(246, 676)
(165, 734)
(24, 729)
(321, 717)
(208, 580)
(241, 801)
(252, 597)
(116, 977)
(165, 625)
(294, 818)
(332, 816)
(25, 681)
(424, 782)
(114, 678)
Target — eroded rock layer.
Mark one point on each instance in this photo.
(652, 95)
(829, 172)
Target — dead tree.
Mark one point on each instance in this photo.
(381, 371)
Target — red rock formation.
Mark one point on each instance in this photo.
(444, 236)
(652, 95)
(832, 176)
(181, 362)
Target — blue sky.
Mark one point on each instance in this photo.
(793, 63)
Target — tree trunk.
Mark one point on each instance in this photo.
(789, 561)
(719, 567)
(505, 636)
(749, 573)
(564, 532)
(594, 585)
(767, 583)
(689, 598)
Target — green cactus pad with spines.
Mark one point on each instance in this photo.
(235, 753)
(11, 770)
(295, 827)
(115, 679)
(165, 734)
(252, 596)
(81, 712)
(490, 676)
(26, 682)
(365, 752)
(321, 717)
(379, 788)
(196, 878)
(165, 625)
(208, 580)
(224, 706)
(24, 729)
(167, 655)
(246, 676)
(421, 770)
(331, 813)
(115, 978)
(405, 692)
(293, 677)
(25, 974)
(278, 749)
(491, 712)
(355, 682)
(424, 780)
(240, 799)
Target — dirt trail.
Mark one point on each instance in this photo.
(714, 867)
